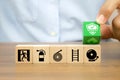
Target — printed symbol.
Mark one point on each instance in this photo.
(75, 55)
(92, 28)
(57, 56)
(92, 55)
(92, 40)
(42, 54)
(23, 55)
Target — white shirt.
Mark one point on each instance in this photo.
(45, 20)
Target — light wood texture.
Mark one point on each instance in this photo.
(92, 53)
(58, 53)
(75, 54)
(108, 69)
(40, 53)
(24, 53)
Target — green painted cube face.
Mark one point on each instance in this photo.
(91, 33)
(91, 29)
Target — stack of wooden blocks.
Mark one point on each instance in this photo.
(63, 53)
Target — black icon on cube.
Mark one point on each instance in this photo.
(57, 56)
(23, 55)
(92, 55)
(75, 55)
(42, 54)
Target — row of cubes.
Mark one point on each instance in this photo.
(75, 53)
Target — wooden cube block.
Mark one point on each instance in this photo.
(41, 54)
(24, 53)
(57, 54)
(75, 54)
(92, 53)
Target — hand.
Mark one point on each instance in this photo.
(105, 12)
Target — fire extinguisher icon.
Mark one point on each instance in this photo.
(42, 54)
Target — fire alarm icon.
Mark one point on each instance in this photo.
(92, 55)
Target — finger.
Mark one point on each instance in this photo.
(118, 11)
(106, 10)
(118, 6)
(106, 31)
(116, 27)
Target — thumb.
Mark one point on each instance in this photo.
(106, 10)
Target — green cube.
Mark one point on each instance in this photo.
(91, 33)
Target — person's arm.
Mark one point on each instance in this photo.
(105, 12)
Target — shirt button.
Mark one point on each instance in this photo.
(53, 33)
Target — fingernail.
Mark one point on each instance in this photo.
(101, 19)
